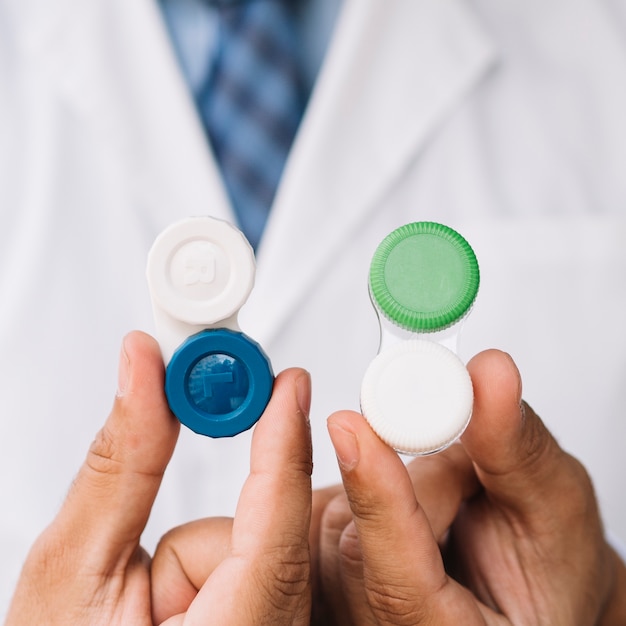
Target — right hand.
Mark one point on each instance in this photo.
(501, 529)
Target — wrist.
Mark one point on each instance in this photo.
(614, 611)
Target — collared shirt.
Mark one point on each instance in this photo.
(193, 27)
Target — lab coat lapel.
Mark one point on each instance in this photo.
(403, 63)
(115, 65)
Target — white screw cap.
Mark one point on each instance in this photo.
(417, 396)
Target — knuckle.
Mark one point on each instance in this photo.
(284, 576)
(350, 549)
(165, 550)
(47, 551)
(52, 560)
(103, 456)
(544, 457)
(337, 514)
(299, 466)
(367, 508)
(539, 442)
(299, 460)
(581, 500)
(393, 604)
(536, 455)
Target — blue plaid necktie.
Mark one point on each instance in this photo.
(252, 104)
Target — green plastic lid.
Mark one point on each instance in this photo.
(424, 277)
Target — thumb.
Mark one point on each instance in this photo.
(109, 502)
(404, 580)
(516, 457)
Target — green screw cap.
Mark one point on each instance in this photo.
(424, 277)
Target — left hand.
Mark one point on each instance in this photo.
(87, 568)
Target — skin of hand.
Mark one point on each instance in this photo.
(502, 528)
(87, 567)
(254, 569)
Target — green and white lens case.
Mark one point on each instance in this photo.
(417, 394)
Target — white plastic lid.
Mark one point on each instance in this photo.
(417, 396)
(201, 270)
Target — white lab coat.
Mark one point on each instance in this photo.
(504, 120)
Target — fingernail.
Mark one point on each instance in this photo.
(123, 371)
(303, 393)
(346, 447)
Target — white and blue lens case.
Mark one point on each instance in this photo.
(200, 273)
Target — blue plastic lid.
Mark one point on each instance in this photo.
(219, 382)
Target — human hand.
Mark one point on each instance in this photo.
(501, 529)
(88, 568)
(254, 569)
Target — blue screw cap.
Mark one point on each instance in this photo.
(219, 382)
